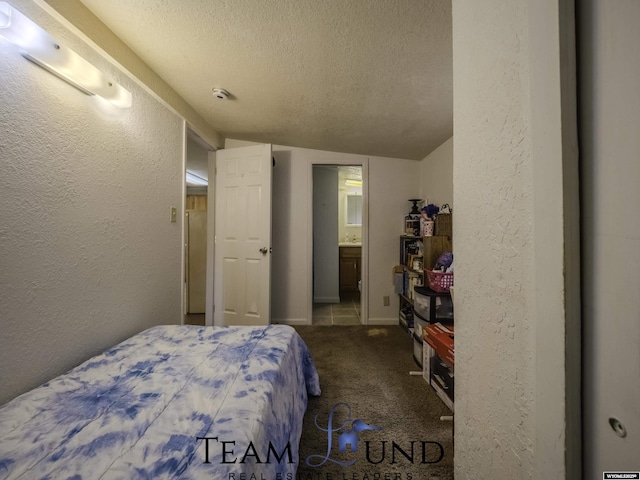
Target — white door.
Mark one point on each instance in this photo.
(609, 79)
(243, 236)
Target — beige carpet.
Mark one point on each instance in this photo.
(367, 368)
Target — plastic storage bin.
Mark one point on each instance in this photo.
(418, 325)
(433, 306)
(422, 304)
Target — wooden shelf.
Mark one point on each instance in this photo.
(406, 299)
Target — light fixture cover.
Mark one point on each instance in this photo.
(44, 50)
(353, 183)
(196, 180)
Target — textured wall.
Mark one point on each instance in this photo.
(492, 172)
(516, 240)
(87, 253)
(436, 175)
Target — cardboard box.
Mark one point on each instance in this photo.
(440, 338)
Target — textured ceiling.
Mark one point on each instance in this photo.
(372, 77)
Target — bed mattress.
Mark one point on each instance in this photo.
(171, 402)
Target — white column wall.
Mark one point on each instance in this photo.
(511, 195)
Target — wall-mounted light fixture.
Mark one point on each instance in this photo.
(196, 181)
(44, 50)
(353, 183)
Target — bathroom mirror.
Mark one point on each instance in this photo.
(354, 210)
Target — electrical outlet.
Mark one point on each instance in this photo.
(385, 300)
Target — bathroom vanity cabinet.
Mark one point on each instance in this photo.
(350, 261)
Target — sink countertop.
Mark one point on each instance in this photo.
(350, 244)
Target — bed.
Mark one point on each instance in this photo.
(171, 402)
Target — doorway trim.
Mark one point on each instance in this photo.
(211, 239)
(188, 132)
(183, 210)
(364, 272)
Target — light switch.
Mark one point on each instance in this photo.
(173, 212)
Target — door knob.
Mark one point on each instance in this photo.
(263, 250)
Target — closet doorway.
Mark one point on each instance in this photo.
(338, 245)
(195, 229)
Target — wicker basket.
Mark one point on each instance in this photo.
(439, 281)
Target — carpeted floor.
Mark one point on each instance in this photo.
(366, 369)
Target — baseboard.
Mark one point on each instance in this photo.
(290, 321)
(383, 321)
(303, 321)
(326, 299)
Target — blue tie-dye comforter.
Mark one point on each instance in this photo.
(171, 402)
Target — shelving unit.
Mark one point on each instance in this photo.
(421, 308)
(424, 250)
(429, 307)
(411, 249)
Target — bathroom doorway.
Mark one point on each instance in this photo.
(338, 227)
